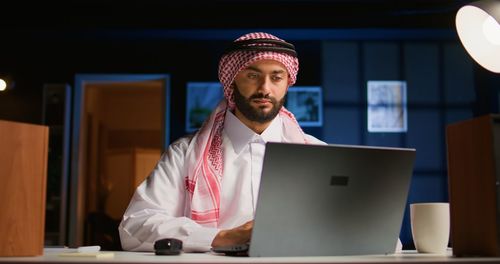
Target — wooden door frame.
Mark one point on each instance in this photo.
(75, 223)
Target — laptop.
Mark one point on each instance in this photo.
(329, 200)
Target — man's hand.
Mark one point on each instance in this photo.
(237, 235)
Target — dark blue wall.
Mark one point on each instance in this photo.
(440, 91)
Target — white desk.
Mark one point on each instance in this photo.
(202, 258)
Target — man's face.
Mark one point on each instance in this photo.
(260, 90)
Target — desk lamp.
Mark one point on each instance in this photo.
(478, 27)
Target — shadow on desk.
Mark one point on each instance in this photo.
(102, 230)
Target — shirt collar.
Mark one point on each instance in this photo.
(240, 135)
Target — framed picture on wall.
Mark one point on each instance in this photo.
(387, 106)
(306, 103)
(201, 99)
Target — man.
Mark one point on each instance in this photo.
(204, 188)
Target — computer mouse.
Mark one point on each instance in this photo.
(168, 246)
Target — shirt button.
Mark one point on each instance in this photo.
(258, 140)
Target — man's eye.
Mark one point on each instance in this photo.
(277, 78)
(252, 75)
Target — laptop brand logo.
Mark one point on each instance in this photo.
(339, 180)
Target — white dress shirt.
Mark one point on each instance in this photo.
(160, 207)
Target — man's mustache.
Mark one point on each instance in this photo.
(262, 96)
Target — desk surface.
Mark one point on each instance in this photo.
(201, 258)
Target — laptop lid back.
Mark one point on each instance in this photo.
(324, 200)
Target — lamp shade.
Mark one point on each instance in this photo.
(478, 27)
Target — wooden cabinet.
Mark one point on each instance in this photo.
(125, 169)
(474, 181)
(23, 175)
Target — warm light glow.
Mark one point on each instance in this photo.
(3, 85)
(491, 30)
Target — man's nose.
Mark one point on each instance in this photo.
(265, 85)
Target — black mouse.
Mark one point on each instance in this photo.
(168, 246)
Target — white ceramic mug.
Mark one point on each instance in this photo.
(430, 226)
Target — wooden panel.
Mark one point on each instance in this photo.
(134, 138)
(125, 170)
(145, 162)
(23, 172)
(472, 185)
(119, 169)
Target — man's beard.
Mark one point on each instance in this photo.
(257, 114)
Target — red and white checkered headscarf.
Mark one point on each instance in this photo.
(231, 64)
(205, 158)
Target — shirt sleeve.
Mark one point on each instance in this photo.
(157, 209)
